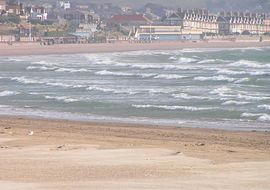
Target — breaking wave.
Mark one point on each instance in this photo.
(62, 98)
(166, 107)
(234, 102)
(249, 64)
(259, 116)
(8, 93)
(110, 90)
(265, 106)
(215, 78)
(169, 76)
(189, 97)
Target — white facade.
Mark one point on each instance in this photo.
(65, 4)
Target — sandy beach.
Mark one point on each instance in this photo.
(50, 154)
(18, 49)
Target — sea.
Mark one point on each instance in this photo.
(205, 88)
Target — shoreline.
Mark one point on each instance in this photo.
(46, 154)
(23, 49)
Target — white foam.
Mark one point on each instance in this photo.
(264, 117)
(215, 78)
(46, 63)
(111, 90)
(169, 76)
(234, 102)
(255, 98)
(221, 90)
(105, 72)
(42, 68)
(8, 93)
(189, 97)
(166, 107)
(62, 98)
(251, 114)
(173, 58)
(230, 72)
(70, 70)
(265, 106)
(15, 59)
(249, 64)
(186, 60)
(242, 80)
(25, 80)
(207, 61)
(260, 116)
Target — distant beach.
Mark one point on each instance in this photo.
(18, 49)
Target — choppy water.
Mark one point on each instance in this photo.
(220, 88)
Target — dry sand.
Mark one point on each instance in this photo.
(78, 155)
(18, 49)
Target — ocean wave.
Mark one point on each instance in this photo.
(166, 107)
(110, 73)
(60, 84)
(169, 76)
(254, 98)
(215, 78)
(15, 59)
(8, 93)
(230, 72)
(186, 60)
(265, 106)
(189, 97)
(207, 61)
(234, 102)
(222, 78)
(172, 58)
(62, 98)
(259, 116)
(251, 114)
(249, 64)
(42, 68)
(264, 117)
(46, 63)
(111, 90)
(242, 80)
(221, 90)
(25, 80)
(167, 66)
(70, 70)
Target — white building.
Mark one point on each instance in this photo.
(65, 4)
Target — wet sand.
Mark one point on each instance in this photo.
(19, 49)
(81, 155)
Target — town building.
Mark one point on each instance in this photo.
(2, 5)
(65, 4)
(243, 23)
(15, 9)
(167, 33)
(36, 13)
(131, 20)
(196, 19)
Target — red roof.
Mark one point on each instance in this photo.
(129, 18)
